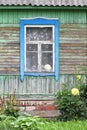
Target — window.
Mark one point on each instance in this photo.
(39, 45)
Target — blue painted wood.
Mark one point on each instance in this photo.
(39, 74)
(21, 50)
(39, 21)
(57, 50)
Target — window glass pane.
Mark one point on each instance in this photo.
(39, 55)
(31, 47)
(31, 61)
(46, 47)
(39, 33)
(47, 62)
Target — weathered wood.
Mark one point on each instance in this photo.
(73, 48)
(33, 88)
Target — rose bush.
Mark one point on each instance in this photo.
(72, 102)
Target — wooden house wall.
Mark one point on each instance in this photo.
(73, 50)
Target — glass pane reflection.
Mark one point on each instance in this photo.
(47, 59)
(31, 47)
(31, 61)
(46, 47)
(39, 33)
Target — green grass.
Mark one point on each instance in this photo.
(50, 125)
(70, 125)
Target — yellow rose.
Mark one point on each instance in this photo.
(78, 77)
(75, 91)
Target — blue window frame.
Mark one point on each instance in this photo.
(39, 39)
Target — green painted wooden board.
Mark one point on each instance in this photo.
(64, 16)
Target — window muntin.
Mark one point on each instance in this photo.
(39, 48)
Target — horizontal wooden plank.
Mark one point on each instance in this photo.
(15, 65)
(73, 44)
(74, 48)
(8, 68)
(11, 55)
(73, 26)
(75, 40)
(9, 47)
(73, 54)
(74, 62)
(73, 51)
(11, 60)
(9, 51)
(9, 71)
